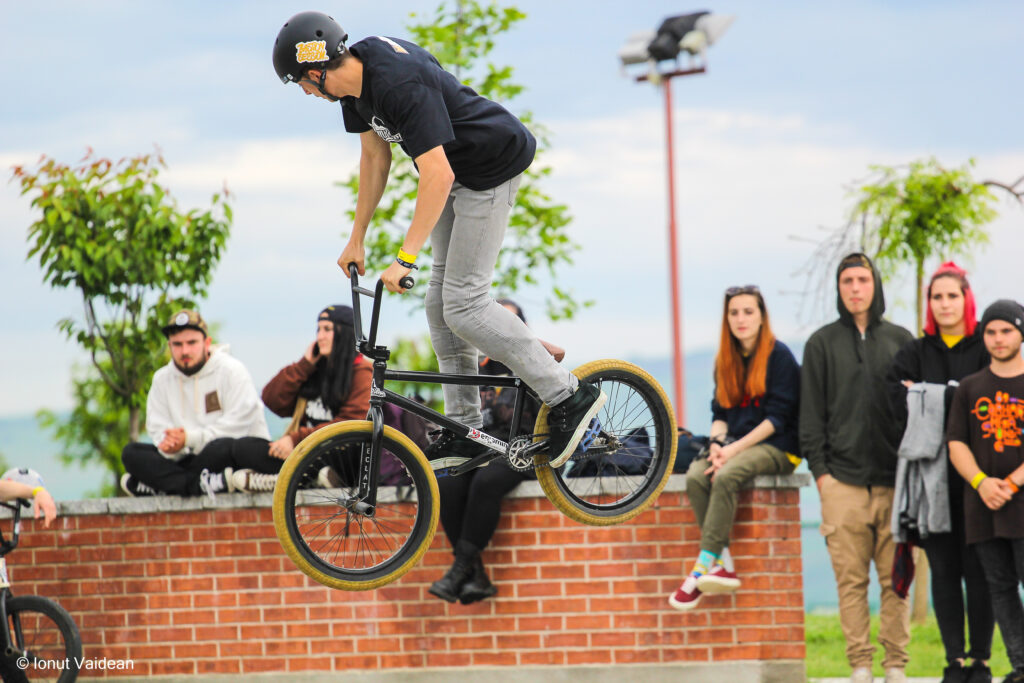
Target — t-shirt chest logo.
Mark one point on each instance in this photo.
(383, 131)
(1000, 419)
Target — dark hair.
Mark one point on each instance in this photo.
(513, 304)
(331, 382)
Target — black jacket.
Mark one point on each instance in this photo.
(928, 359)
(846, 427)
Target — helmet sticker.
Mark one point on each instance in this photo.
(311, 51)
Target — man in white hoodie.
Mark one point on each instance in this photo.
(203, 415)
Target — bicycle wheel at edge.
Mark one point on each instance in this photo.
(48, 637)
(635, 400)
(336, 545)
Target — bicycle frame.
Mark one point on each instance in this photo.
(370, 464)
(5, 582)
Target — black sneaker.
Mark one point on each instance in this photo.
(569, 422)
(955, 673)
(978, 672)
(135, 488)
(450, 445)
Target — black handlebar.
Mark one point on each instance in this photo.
(362, 343)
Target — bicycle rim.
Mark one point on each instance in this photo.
(619, 481)
(45, 638)
(321, 524)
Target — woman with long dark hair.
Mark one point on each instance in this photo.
(330, 383)
(753, 431)
(950, 349)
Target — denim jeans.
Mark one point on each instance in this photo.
(461, 313)
(1003, 562)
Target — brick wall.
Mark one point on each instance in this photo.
(201, 587)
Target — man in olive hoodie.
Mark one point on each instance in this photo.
(850, 439)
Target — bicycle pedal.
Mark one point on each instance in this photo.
(588, 437)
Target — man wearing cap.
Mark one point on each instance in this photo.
(202, 413)
(850, 439)
(984, 434)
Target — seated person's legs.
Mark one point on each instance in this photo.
(148, 472)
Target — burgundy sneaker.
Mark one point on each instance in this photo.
(718, 580)
(686, 596)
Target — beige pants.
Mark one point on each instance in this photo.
(855, 524)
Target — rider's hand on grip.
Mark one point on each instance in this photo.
(407, 282)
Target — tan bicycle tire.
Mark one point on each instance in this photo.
(550, 481)
(284, 528)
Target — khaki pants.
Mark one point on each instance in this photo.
(856, 527)
(714, 499)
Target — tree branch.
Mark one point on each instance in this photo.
(1018, 194)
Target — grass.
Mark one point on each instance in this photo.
(826, 649)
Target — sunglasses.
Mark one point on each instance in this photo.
(745, 289)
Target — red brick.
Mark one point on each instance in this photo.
(213, 533)
(241, 649)
(218, 666)
(172, 667)
(586, 553)
(222, 633)
(574, 657)
(730, 652)
(478, 642)
(492, 624)
(637, 656)
(687, 654)
(562, 571)
(345, 663)
(540, 623)
(286, 647)
(562, 640)
(494, 659)
(171, 601)
(538, 589)
(542, 658)
(262, 664)
(448, 659)
(587, 622)
(537, 555)
(170, 536)
(170, 635)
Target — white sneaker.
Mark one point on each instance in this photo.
(861, 675)
(250, 481)
(327, 478)
(134, 488)
(895, 676)
(212, 483)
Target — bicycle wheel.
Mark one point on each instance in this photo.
(47, 644)
(628, 463)
(324, 529)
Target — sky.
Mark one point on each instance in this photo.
(799, 99)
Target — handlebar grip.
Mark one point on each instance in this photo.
(25, 503)
(352, 268)
(407, 282)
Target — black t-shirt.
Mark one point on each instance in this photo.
(409, 99)
(987, 414)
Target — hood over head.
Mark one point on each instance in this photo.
(878, 300)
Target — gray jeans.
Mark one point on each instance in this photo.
(461, 313)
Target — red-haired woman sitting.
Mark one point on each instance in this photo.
(754, 431)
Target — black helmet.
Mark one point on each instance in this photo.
(306, 40)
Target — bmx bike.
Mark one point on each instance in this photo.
(39, 638)
(356, 503)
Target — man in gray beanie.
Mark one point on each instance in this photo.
(984, 434)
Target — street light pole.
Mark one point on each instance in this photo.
(675, 283)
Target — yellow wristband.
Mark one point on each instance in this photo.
(36, 490)
(406, 256)
(978, 478)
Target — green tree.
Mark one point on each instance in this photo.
(113, 233)
(905, 215)
(462, 37)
